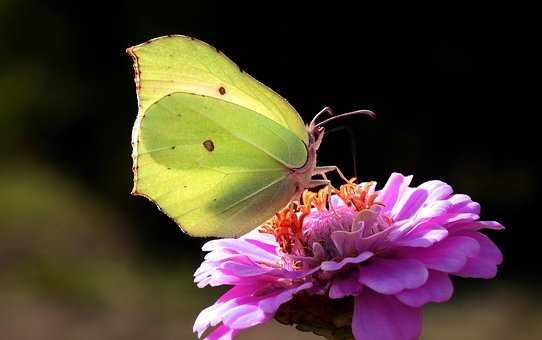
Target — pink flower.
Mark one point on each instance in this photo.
(380, 254)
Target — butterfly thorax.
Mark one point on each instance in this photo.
(302, 176)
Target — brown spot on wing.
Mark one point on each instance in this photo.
(209, 145)
(222, 90)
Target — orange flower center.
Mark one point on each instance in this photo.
(287, 224)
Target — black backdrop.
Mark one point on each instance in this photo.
(450, 86)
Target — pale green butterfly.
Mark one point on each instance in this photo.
(215, 149)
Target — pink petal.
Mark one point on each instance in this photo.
(376, 241)
(218, 256)
(388, 195)
(437, 288)
(463, 204)
(382, 317)
(271, 304)
(242, 247)
(212, 315)
(422, 236)
(241, 269)
(493, 225)
(484, 264)
(345, 286)
(473, 226)
(448, 255)
(333, 266)
(222, 333)
(390, 276)
(425, 194)
(409, 204)
(345, 242)
(457, 218)
(244, 306)
(244, 316)
(257, 235)
(437, 210)
(269, 247)
(437, 190)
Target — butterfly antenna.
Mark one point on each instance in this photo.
(353, 149)
(326, 109)
(357, 112)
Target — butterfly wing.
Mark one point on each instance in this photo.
(215, 167)
(182, 64)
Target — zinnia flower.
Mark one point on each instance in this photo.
(346, 263)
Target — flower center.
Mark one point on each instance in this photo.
(305, 229)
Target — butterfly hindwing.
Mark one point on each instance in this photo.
(216, 168)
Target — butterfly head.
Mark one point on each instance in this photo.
(316, 129)
(316, 134)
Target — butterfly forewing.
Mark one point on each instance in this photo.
(183, 64)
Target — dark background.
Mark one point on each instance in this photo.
(451, 87)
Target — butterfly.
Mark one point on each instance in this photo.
(216, 150)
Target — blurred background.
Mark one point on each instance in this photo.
(82, 259)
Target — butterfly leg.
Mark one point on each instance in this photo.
(313, 183)
(317, 182)
(328, 191)
(322, 170)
